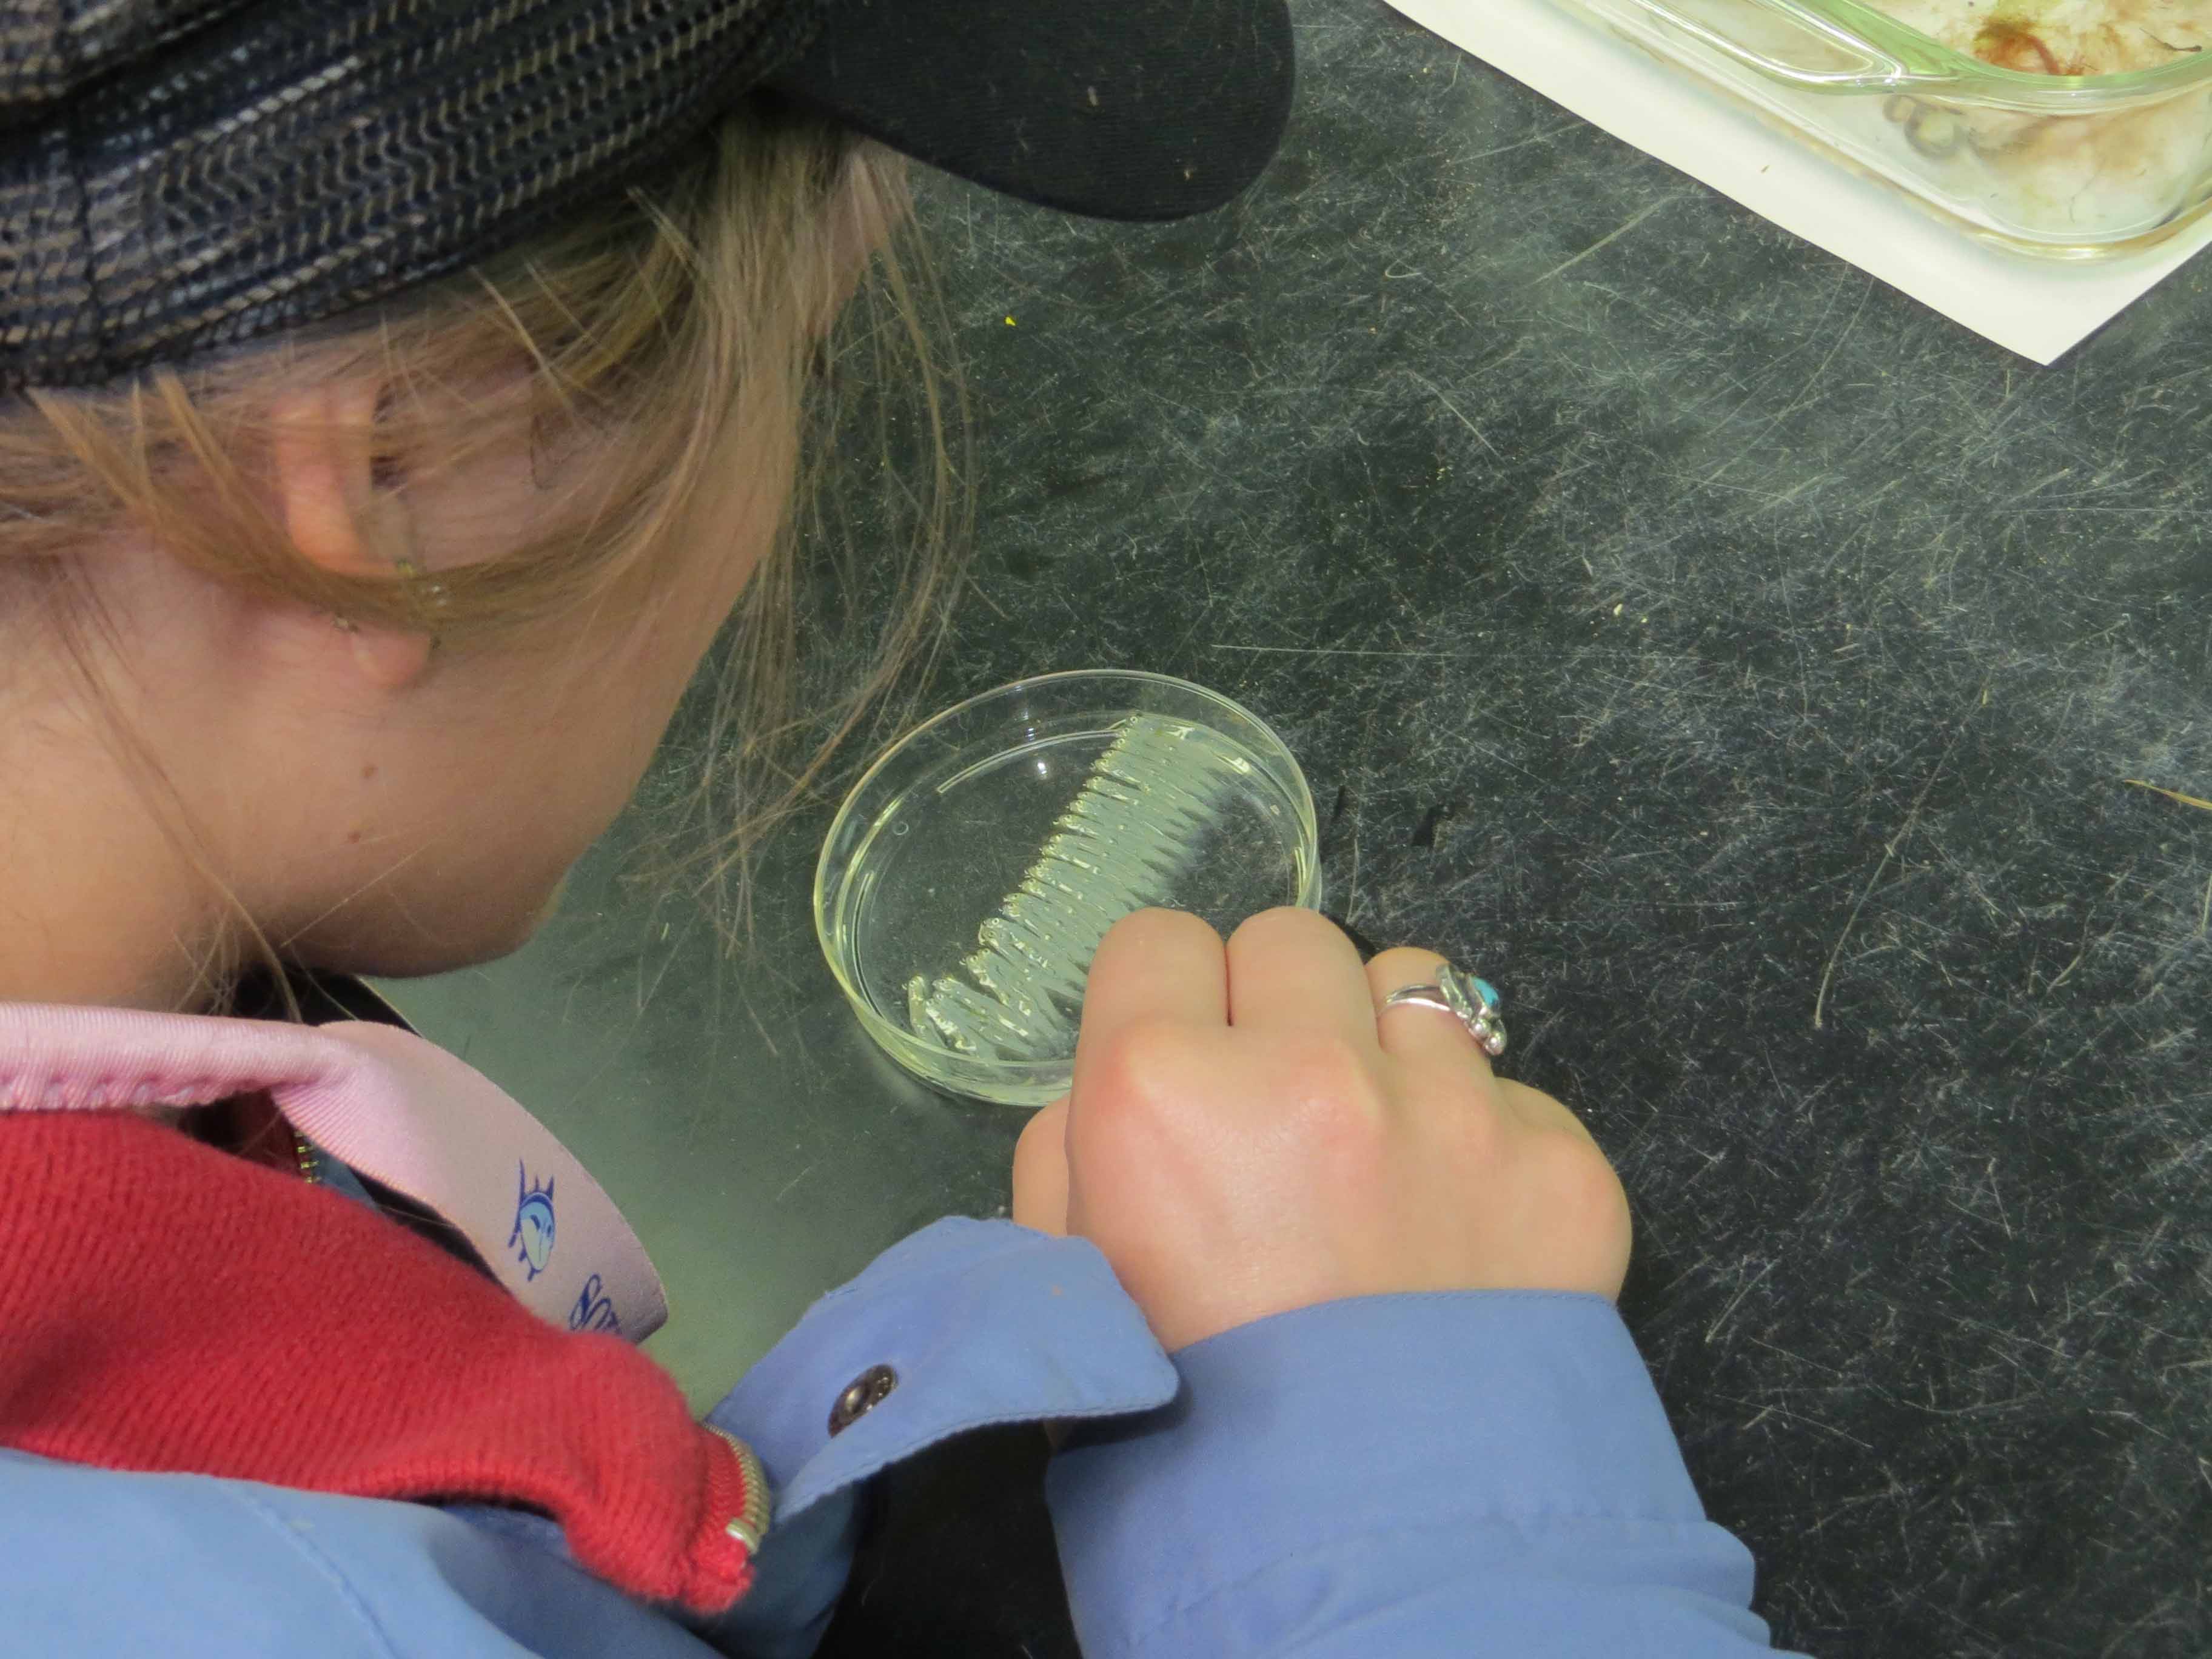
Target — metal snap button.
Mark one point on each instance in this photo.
(865, 1392)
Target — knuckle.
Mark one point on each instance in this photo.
(1404, 965)
(1132, 1108)
(1155, 924)
(1329, 1086)
(1583, 1188)
(1286, 927)
(1137, 1067)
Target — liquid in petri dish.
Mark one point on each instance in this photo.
(1167, 812)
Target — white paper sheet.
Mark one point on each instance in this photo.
(2034, 307)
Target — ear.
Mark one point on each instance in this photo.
(323, 452)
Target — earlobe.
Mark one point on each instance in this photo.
(391, 659)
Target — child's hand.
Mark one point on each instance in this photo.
(1242, 1138)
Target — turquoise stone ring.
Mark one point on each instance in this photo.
(1471, 1000)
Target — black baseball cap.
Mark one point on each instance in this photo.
(180, 174)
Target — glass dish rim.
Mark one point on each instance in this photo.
(924, 1060)
(1928, 65)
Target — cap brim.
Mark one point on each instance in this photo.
(1120, 109)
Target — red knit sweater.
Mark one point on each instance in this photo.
(166, 1306)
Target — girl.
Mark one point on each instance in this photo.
(401, 396)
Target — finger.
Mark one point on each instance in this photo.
(1296, 970)
(1041, 1170)
(1541, 1111)
(1427, 1037)
(1154, 966)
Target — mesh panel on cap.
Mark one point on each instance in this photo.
(48, 51)
(281, 163)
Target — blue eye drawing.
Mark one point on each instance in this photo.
(531, 1241)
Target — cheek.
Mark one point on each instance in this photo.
(688, 615)
(615, 713)
(594, 737)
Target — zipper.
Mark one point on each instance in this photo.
(749, 1525)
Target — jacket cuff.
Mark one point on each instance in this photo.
(970, 1324)
(963, 1325)
(1364, 1458)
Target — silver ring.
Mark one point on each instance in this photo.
(1471, 1000)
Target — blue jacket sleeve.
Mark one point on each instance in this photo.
(1388, 1477)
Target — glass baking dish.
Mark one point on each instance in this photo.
(2072, 165)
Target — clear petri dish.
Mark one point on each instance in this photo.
(970, 875)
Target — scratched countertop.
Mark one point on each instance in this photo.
(1741, 666)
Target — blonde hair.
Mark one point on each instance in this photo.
(670, 318)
